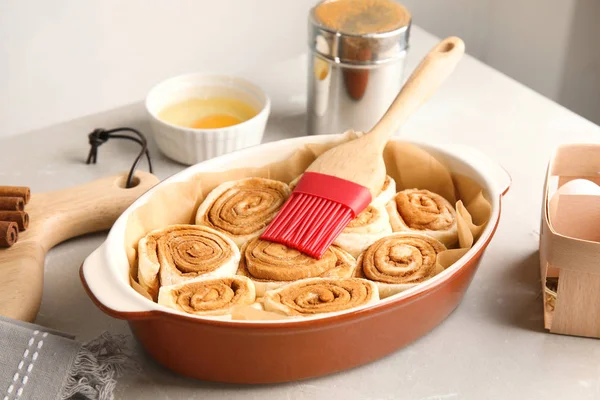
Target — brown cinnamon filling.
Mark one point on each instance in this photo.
(191, 250)
(327, 295)
(273, 262)
(368, 216)
(386, 183)
(211, 295)
(402, 258)
(424, 210)
(246, 207)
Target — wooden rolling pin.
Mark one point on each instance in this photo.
(55, 217)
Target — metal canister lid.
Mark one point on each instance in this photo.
(359, 31)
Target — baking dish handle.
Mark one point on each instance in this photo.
(500, 177)
(112, 295)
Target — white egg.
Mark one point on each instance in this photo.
(579, 186)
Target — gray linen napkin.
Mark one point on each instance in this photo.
(40, 363)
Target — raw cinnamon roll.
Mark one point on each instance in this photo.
(320, 296)
(400, 261)
(179, 253)
(368, 226)
(208, 296)
(422, 211)
(242, 209)
(271, 265)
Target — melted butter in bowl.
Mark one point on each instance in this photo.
(197, 116)
(210, 113)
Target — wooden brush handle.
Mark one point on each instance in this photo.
(429, 75)
(54, 218)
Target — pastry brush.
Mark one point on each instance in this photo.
(341, 182)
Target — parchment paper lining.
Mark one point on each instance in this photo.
(409, 165)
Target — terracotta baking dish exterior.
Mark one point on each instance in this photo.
(278, 351)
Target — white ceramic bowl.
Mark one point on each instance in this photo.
(191, 146)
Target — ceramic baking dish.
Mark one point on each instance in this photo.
(278, 351)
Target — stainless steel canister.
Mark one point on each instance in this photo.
(352, 77)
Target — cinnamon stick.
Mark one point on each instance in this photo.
(20, 217)
(16, 191)
(9, 233)
(12, 203)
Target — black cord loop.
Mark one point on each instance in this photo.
(101, 136)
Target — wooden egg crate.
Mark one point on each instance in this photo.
(570, 241)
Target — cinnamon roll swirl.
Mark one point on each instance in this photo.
(314, 296)
(242, 209)
(208, 296)
(271, 265)
(400, 261)
(370, 225)
(179, 253)
(422, 211)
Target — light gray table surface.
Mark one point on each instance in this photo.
(492, 347)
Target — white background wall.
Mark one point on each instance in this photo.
(62, 59)
(527, 40)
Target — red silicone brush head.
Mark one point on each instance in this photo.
(318, 210)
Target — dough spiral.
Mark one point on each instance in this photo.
(208, 296)
(400, 261)
(370, 225)
(242, 209)
(320, 296)
(271, 265)
(422, 211)
(179, 253)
